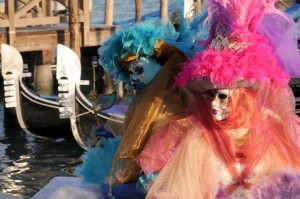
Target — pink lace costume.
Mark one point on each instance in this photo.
(199, 157)
(192, 163)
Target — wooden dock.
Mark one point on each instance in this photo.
(35, 27)
(39, 25)
(46, 38)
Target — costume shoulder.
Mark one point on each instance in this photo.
(164, 143)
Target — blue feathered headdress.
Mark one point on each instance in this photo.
(137, 39)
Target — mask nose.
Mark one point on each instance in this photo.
(134, 76)
(215, 102)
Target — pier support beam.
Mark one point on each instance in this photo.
(75, 39)
(164, 10)
(198, 6)
(109, 7)
(11, 9)
(138, 17)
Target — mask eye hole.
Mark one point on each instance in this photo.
(222, 96)
(212, 94)
(139, 70)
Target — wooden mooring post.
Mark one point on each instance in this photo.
(11, 29)
(108, 19)
(164, 10)
(75, 39)
(138, 16)
(198, 6)
(109, 7)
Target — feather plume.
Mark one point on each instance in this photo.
(234, 47)
(97, 162)
(138, 39)
(284, 184)
(246, 14)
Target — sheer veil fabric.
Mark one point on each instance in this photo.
(196, 155)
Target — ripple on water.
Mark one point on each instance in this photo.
(28, 164)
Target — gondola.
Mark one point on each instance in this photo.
(37, 114)
(85, 111)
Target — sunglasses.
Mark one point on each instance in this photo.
(213, 94)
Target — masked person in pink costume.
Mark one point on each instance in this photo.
(241, 127)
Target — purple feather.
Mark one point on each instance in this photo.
(222, 194)
(217, 14)
(283, 185)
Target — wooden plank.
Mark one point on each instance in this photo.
(47, 38)
(43, 41)
(3, 16)
(24, 1)
(11, 17)
(74, 26)
(99, 36)
(47, 8)
(48, 56)
(86, 21)
(37, 21)
(26, 8)
(64, 2)
(4, 23)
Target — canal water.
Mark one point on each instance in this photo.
(28, 164)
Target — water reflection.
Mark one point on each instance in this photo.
(28, 164)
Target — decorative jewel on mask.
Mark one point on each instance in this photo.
(220, 103)
(136, 73)
(223, 39)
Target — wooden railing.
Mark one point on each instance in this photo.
(25, 13)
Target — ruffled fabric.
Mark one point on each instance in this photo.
(266, 115)
(165, 142)
(282, 34)
(195, 172)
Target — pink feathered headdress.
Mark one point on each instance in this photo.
(234, 49)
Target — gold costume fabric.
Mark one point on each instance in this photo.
(158, 104)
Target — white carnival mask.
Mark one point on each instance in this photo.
(219, 103)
